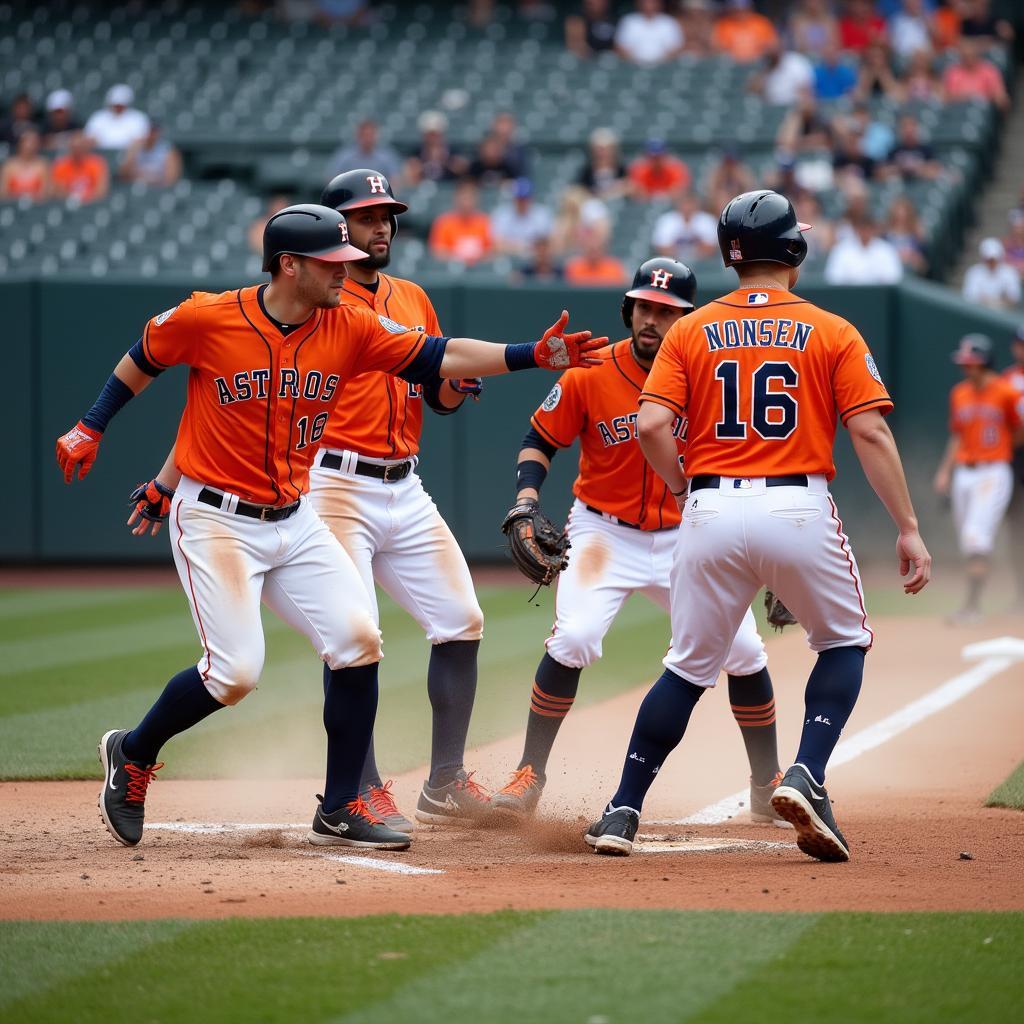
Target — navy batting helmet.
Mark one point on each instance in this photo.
(761, 225)
(308, 230)
(662, 280)
(974, 350)
(362, 187)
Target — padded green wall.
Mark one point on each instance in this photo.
(64, 336)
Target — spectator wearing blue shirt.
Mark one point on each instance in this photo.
(833, 78)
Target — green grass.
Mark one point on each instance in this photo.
(76, 662)
(1010, 792)
(608, 966)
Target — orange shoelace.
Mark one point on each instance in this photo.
(139, 780)
(521, 781)
(362, 808)
(473, 788)
(381, 800)
(774, 782)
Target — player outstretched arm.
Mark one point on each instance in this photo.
(80, 445)
(557, 350)
(151, 502)
(658, 443)
(878, 455)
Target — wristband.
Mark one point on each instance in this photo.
(521, 357)
(530, 473)
(114, 396)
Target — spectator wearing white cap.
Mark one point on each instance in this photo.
(435, 159)
(60, 123)
(992, 282)
(118, 124)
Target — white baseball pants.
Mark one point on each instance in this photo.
(228, 563)
(607, 563)
(744, 535)
(981, 495)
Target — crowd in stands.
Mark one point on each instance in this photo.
(53, 155)
(827, 64)
(849, 75)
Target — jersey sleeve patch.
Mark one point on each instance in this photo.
(554, 397)
(161, 317)
(872, 366)
(392, 326)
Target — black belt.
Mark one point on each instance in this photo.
(622, 522)
(389, 474)
(703, 483)
(264, 513)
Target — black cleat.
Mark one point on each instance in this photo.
(615, 832)
(354, 824)
(460, 802)
(122, 799)
(805, 804)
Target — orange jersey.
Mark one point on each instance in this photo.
(984, 420)
(259, 400)
(382, 416)
(599, 406)
(763, 376)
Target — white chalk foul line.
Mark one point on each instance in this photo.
(998, 655)
(211, 828)
(214, 828)
(396, 867)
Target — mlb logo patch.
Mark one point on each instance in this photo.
(757, 298)
(735, 252)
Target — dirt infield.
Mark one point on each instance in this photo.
(909, 798)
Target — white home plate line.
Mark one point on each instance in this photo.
(996, 656)
(396, 867)
(210, 828)
(649, 843)
(213, 828)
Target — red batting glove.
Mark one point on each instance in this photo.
(78, 447)
(557, 350)
(468, 386)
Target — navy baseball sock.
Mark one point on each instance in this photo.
(350, 706)
(554, 691)
(832, 691)
(660, 724)
(371, 773)
(451, 686)
(184, 702)
(753, 706)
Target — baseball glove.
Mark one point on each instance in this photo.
(535, 544)
(779, 615)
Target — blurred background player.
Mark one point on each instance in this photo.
(623, 527)
(365, 486)
(976, 468)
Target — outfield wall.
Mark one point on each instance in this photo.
(63, 337)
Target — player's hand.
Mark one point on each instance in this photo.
(468, 386)
(77, 448)
(942, 482)
(557, 350)
(914, 561)
(151, 505)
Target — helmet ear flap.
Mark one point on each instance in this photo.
(394, 225)
(627, 312)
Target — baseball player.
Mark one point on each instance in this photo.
(622, 528)
(364, 485)
(976, 469)
(762, 377)
(1015, 375)
(267, 367)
